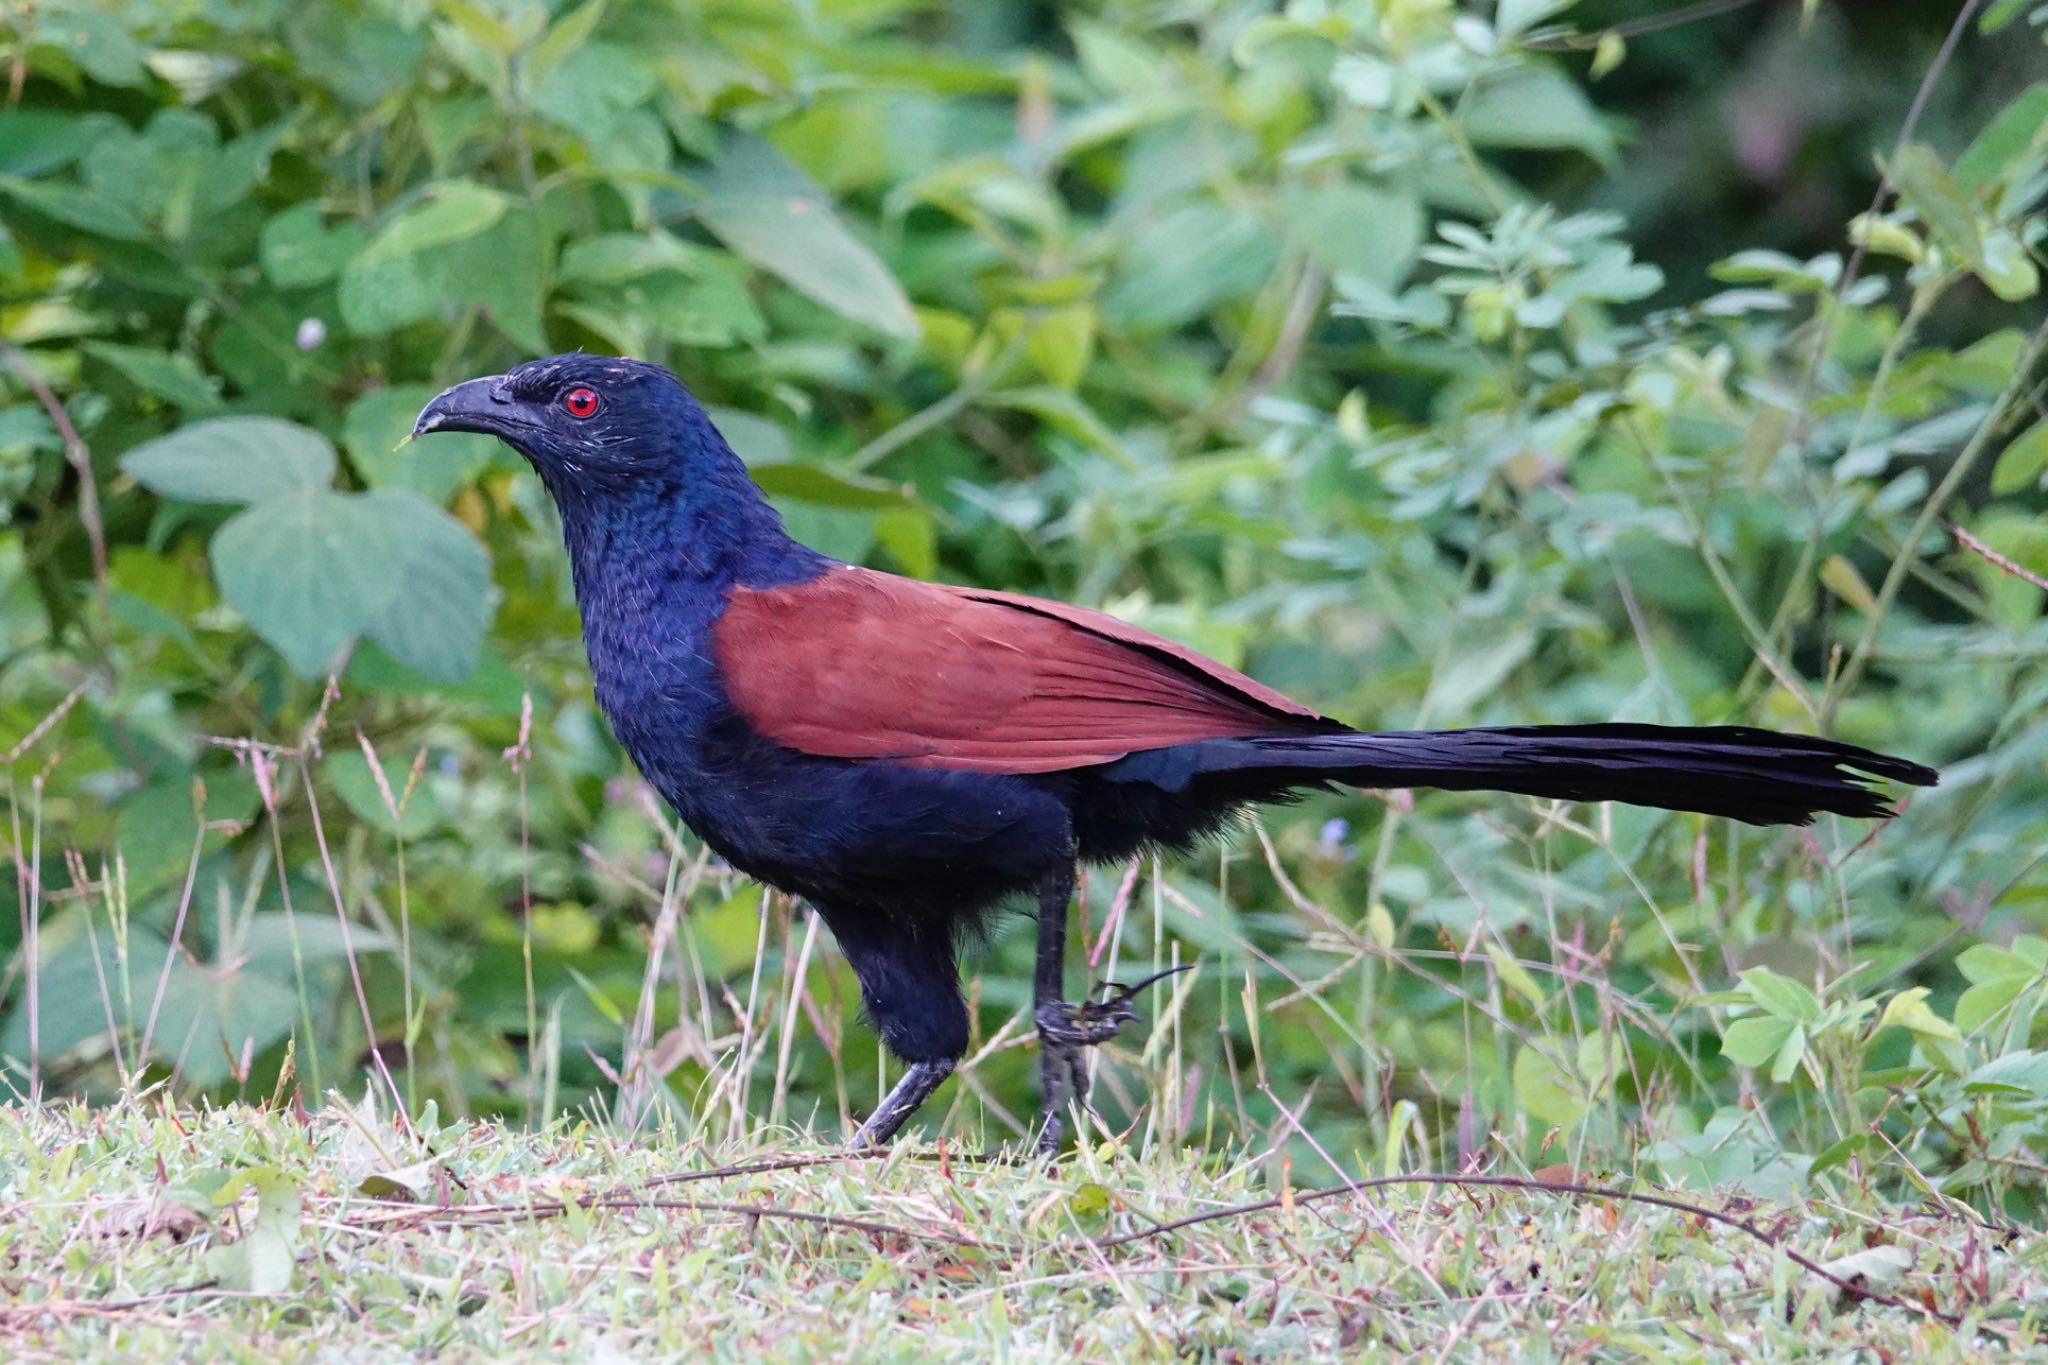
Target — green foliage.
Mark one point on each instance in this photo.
(1324, 337)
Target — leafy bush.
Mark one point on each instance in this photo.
(1249, 323)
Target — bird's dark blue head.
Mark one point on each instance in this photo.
(631, 459)
(591, 425)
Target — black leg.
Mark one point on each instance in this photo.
(901, 1102)
(910, 990)
(1065, 1030)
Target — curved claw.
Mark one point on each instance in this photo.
(1124, 994)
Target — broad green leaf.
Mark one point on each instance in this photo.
(76, 207)
(763, 207)
(298, 248)
(2021, 463)
(1194, 257)
(310, 569)
(614, 257)
(374, 432)
(233, 459)
(1358, 231)
(97, 40)
(434, 621)
(1989, 962)
(2006, 269)
(1535, 106)
(1781, 996)
(35, 142)
(169, 377)
(1983, 1003)
(2010, 141)
(2025, 1072)
(1062, 340)
(908, 534)
(262, 1260)
(754, 438)
(1545, 1091)
(1925, 187)
(451, 211)
(1753, 1041)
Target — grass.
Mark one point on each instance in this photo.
(147, 1232)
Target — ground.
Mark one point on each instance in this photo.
(144, 1232)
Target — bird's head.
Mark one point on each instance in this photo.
(632, 462)
(589, 424)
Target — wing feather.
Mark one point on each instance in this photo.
(859, 664)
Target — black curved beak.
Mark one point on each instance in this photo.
(474, 405)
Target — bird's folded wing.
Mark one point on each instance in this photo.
(860, 664)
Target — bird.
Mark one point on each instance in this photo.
(909, 757)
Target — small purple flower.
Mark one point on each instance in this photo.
(312, 331)
(1330, 841)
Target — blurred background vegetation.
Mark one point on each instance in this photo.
(1441, 363)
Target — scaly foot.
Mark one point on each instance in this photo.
(1065, 1032)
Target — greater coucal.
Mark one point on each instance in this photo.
(904, 755)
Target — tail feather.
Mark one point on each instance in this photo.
(1758, 776)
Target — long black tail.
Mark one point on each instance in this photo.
(1758, 776)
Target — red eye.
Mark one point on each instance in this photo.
(580, 402)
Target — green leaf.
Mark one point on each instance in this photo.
(2021, 463)
(767, 210)
(232, 459)
(1515, 976)
(98, 41)
(1790, 1053)
(1089, 1200)
(1925, 187)
(84, 209)
(1518, 16)
(821, 484)
(1358, 231)
(377, 424)
(908, 534)
(349, 772)
(262, 1260)
(172, 378)
(1194, 257)
(2025, 1072)
(1908, 1010)
(1752, 1042)
(434, 621)
(1545, 1091)
(310, 569)
(1781, 996)
(1989, 962)
(452, 211)
(35, 142)
(2008, 142)
(298, 248)
(1983, 1003)
(2005, 268)
(1999, 14)
(1535, 106)
(564, 36)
